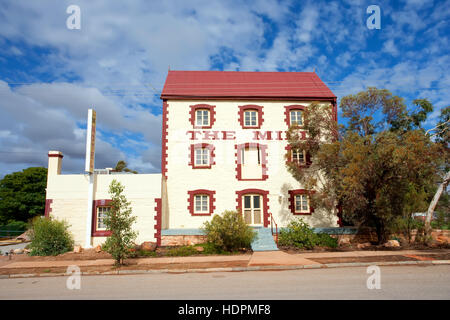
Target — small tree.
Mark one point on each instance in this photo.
(229, 231)
(119, 221)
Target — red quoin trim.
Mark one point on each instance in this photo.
(158, 222)
(164, 143)
(48, 207)
(287, 112)
(334, 103)
(212, 115)
(212, 155)
(259, 110)
(292, 194)
(263, 193)
(191, 204)
(99, 203)
(288, 149)
(238, 161)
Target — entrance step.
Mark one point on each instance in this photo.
(264, 240)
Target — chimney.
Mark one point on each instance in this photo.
(54, 162)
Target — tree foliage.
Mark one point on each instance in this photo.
(119, 221)
(379, 166)
(121, 166)
(22, 194)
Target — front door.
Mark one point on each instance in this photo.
(252, 209)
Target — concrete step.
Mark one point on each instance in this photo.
(264, 240)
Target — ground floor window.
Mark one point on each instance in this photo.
(201, 202)
(299, 202)
(99, 211)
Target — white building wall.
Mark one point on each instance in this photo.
(221, 178)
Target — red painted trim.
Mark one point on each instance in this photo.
(288, 109)
(263, 193)
(164, 143)
(260, 111)
(339, 215)
(212, 115)
(212, 155)
(48, 207)
(292, 194)
(55, 156)
(238, 160)
(212, 199)
(158, 215)
(288, 149)
(99, 203)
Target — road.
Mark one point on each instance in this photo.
(397, 282)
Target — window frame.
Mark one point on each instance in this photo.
(295, 150)
(287, 114)
(292, 201)
(193, 155)
(208, 113)
(99, 232)
(251, 107)
(193, 115)
(192, 205)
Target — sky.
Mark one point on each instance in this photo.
(117, 62)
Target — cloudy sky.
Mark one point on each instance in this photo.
(117, 63)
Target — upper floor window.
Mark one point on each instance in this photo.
(202, 116)
(296, 117)
(201, 157)
(251, 116)
(298, 156)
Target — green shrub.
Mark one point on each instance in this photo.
(228, 231)
(50, 237)
(13, 228)
(299, 234)
(182, 251)
(405, 225)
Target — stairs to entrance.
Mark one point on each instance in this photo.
(264, 240)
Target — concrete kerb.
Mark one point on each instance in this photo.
(233, 269)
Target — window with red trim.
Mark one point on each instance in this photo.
(201, 202)
(202, 116)
(100, 209)
(298, 156)
(299, 202)
(251, 116)
(202, 156)
(293, 115)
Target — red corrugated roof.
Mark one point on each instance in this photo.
(243, 84)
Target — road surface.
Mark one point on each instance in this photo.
(397, 282)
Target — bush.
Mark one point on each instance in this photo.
(50, 237)
(228, 231)
(405, 225)
(299, 234)
(182, 251)
(13, 228)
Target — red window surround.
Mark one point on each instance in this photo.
(238, 155)
(288, 148)
(192, 155)
(99, 203)
(265, 202)
(292, 194)
(191, 205)
(287, 112)
(212, 115)
(260, 111)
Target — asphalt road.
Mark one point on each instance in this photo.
(399, 282)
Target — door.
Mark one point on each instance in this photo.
(252, 209)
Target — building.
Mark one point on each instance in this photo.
(223, 148)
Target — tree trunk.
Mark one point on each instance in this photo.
(434, 202)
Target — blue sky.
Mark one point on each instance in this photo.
(118, 60)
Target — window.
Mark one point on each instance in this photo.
(251, 161)
(202, 118)
(201, 157)
(298, 156)
(296, 117)
(301, 203)
(201, 203)
(101, 213)
(250, 118)
(99, 210)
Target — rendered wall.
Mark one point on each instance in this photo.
(221, 178)
(69, 200)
